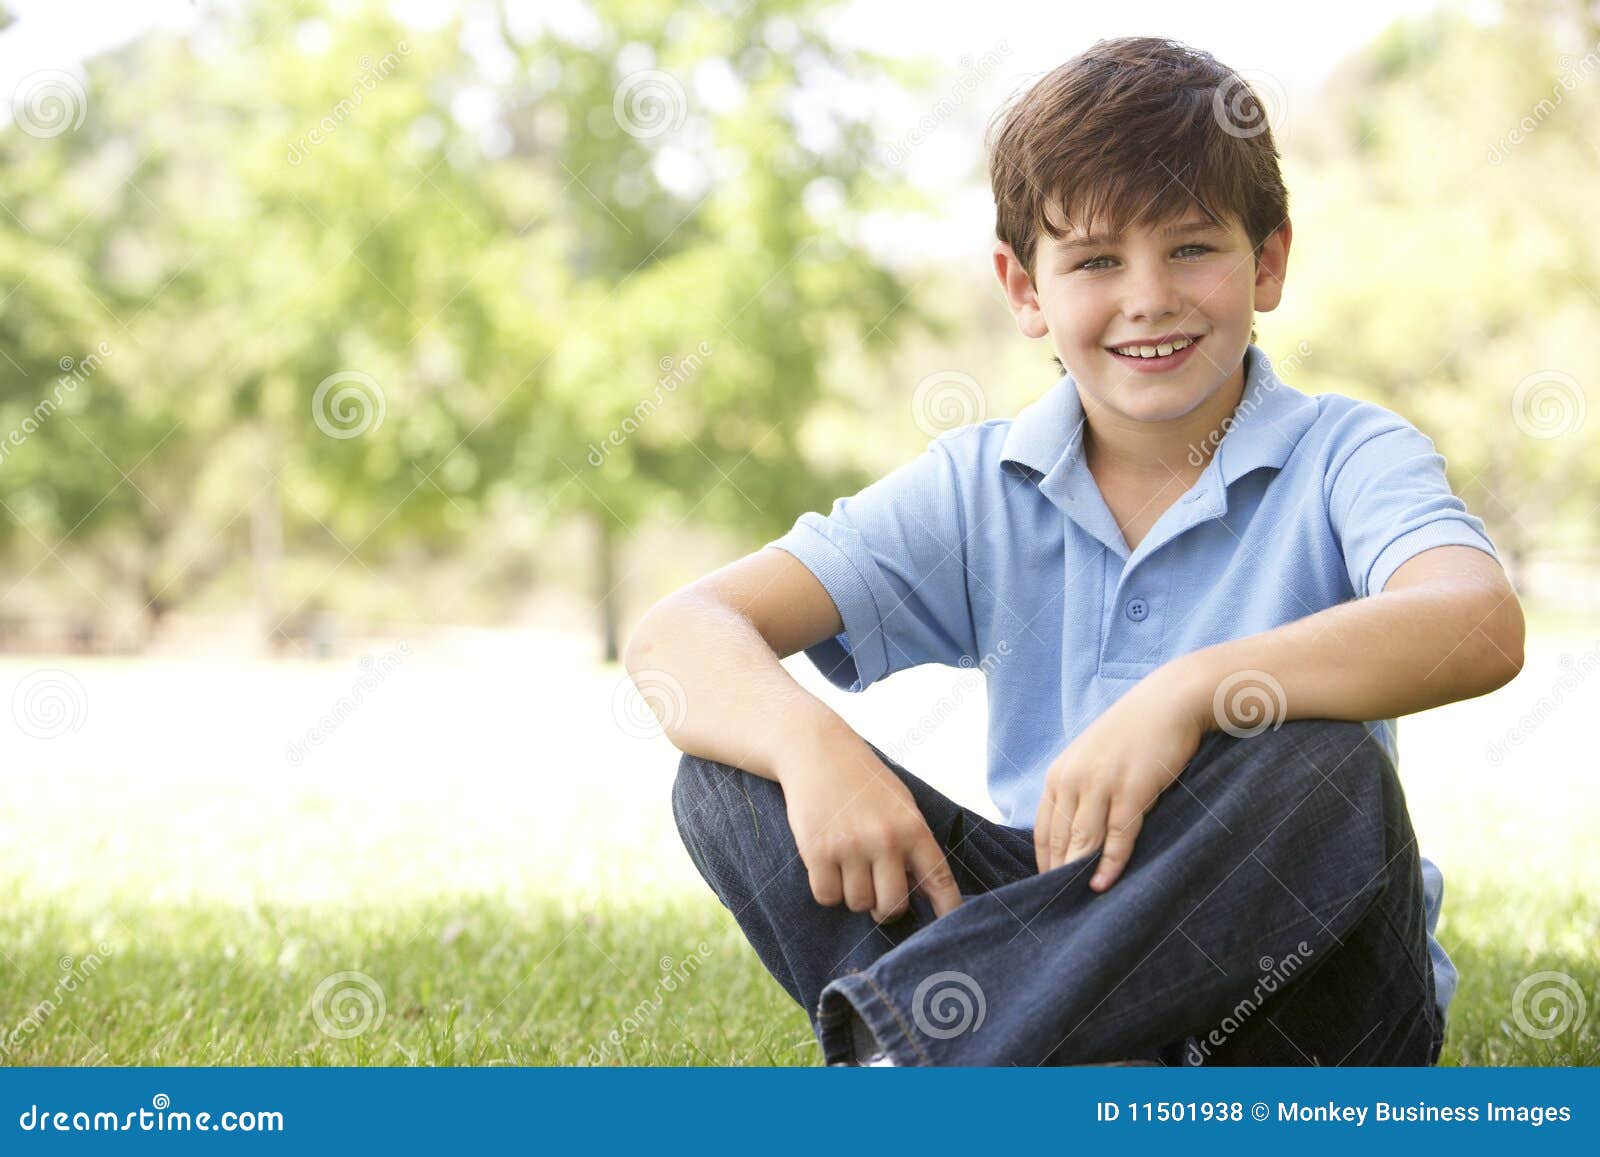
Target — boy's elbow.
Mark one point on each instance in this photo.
(640, 650)
(1507, 630)
(642, 641)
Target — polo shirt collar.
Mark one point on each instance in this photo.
(1047, 439)
(1262, 432)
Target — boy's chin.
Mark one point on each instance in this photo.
(1155, 398)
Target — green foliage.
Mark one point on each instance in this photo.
(1440, 263)
(492, 237)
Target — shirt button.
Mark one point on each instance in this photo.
(1137, 609)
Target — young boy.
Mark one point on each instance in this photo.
(1200, 598)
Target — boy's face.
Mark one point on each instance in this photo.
(1143, 288)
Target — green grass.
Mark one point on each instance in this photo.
(473, 983)
(485, 982)
(515, 892)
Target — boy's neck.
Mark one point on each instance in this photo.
(1182, 447)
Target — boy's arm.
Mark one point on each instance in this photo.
(1447, 626)
(706, 660)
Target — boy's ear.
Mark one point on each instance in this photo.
(1020, 293)
(1272, 265)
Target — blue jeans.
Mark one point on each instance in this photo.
(1272, 914)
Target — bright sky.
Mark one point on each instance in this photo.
(1027, 38)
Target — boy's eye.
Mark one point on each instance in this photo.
(1198, 249)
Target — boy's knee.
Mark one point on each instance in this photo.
(1304, 782)
(705, 791)
(1303, 755)
(694, 792)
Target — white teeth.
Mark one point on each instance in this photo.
(1154, 351)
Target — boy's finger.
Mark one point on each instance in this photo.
(858, 892)
(1059, 829)
(1087, 829)
(889, 884)
(1064, 828)
(1120, 837)
(827, 885)
(933, 875)
(1041, 830)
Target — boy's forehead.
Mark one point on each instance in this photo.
(1192, 217)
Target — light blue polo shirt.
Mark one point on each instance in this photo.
(995, 549)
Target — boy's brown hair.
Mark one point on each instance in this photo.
(1133, 131)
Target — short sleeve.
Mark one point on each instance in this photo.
(1390, 501)
(893, 559)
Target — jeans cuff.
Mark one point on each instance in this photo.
(856, 992)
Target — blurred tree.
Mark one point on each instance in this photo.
(277, 219)
(714, 167)
(1445, 262)
(364, 285)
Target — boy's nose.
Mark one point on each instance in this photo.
(1151, 296)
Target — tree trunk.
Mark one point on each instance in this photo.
(605, 585)
(266, 545)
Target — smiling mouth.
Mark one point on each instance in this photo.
(1156, 354)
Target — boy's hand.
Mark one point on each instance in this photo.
(1098, 789)
(860, 832)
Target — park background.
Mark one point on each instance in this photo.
(367, 370)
